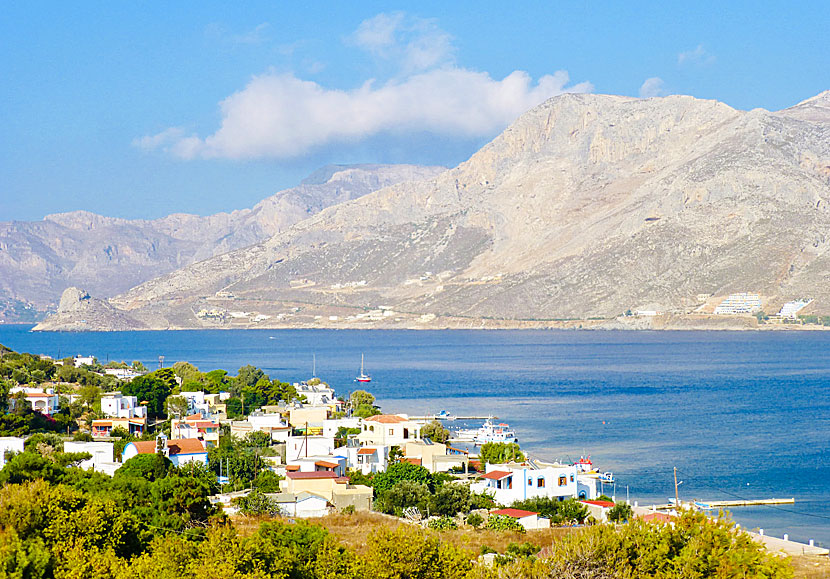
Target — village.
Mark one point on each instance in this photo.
(323, 450)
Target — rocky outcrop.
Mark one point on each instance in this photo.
(78, 312)
(586, 207)
(38, 260)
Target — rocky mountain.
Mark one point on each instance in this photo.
(586, 207)
(38, 260)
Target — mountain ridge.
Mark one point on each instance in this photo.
(586, 206)
(108, 255)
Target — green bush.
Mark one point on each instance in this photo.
(442, 523)
(474, 520)
(503, 523)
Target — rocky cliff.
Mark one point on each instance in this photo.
(587, 206)
(38, 260)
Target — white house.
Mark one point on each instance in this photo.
(367, 459)
(528, 519)
(320, 394)
(389, 430)
(102, 455)
(508, 483)
(304, 446)
(9, 444)
(46, 402)
(178, 451)
(116, 405)
(83, 360)
(125, 374)
(301, 505)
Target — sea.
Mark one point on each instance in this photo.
(740, 415)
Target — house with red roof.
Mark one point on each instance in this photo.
(528, 519)
(319, 463)
(179, 451)
(598, 509)
(388, 430)
(511, 482)
(104, 427)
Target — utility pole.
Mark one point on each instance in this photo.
(676, 494)
(161, 362)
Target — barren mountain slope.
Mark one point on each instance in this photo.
(587, 205)
(38, 260)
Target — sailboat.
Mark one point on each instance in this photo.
(364, 377)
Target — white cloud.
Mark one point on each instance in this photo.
(167, 136)
(413, 44)
(698, 55)
(282, 116)
(652, 87)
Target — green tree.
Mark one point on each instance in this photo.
(361, 398)
(90, 396)
(177, 406)
(503, 523)
(620, 512)
(450, 499)
(152, 388)
(435, 431)
(149, 467)
(401, 471)
(500, 452)
(402, 495)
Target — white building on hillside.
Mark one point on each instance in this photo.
(9, 444)
(366, 459)
(297, 447)
(790, 309)
(46, 402)
(743, 303)
(116, 405)
(389, 430)
(102, 455)
(508, 483)
(320, 394)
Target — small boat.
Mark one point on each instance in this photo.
(364, 377)
(444, 415)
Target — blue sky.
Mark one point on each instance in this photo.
(141, 109)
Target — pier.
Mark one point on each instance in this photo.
(715, 505)
(452, 417)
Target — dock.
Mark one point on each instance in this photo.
(452, 417)
(715, 505)
(712, 505)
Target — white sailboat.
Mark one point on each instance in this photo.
(363, 377)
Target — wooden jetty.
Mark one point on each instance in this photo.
(715, 505)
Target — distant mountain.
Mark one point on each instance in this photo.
(38, 260)
(586, 207)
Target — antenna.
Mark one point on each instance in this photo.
(676, 494)
(314, 365)
(161, 362)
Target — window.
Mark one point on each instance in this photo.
(572, 478)
(391, 431)
(540, 482)
(405, 433)
(529, 482)
(563, 480)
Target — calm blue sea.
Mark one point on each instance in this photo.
(740, 414)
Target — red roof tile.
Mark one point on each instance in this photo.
(311, 475)
(658, 518)
(515, 513)
(366, 451)
(326, 464)
(606, 504)
(386, 418)
(415, 461)
(185, 446)
(497, 474)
